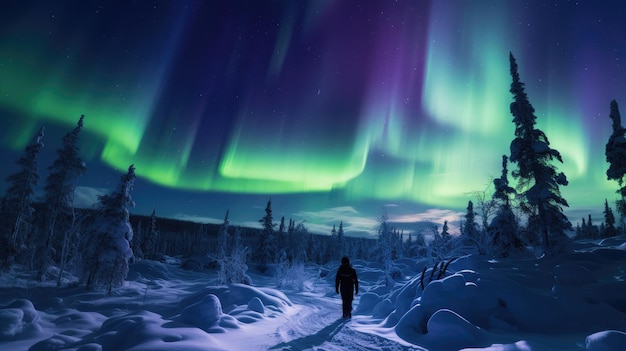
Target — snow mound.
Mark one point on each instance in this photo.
(608, 340)
(19, 320)
(256, 305)
(204, 314)
(215, 308)
(367, 303)
(141, 331)
(453, 331)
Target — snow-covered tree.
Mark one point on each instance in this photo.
(437, 248)
(384, 249)
(503, 229)
(609, 221)
(301, 239)
(615, 152)
(503, 191)
(417, 245)
(222, 238)
(16, 211)
(593, 230)
(266, 253)
(341, 242)
(232, 256)
(444, 231)
(332, 253)
(69, 246)
(584, 231)
(61, 183)
(107, 250)
(233, 267)
(281, 235)
(222, 248)
(470, 228)
(538, 179)
(150, 241)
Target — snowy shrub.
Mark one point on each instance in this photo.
(291, 275)
(233, 268)
(232, 258)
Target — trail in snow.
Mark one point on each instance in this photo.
(319, 326)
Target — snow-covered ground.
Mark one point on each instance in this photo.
(573, 302)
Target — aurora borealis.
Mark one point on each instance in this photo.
(319, 104)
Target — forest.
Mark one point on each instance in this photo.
(53, 240)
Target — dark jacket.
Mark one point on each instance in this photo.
(346, 280)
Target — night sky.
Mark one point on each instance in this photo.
(336, 110)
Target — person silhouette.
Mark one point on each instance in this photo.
(347, 282)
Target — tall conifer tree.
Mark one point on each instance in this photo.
(266, 248)
(615, 152)
(538, 179)
(59, 196)
(16, 211)
(609, 220)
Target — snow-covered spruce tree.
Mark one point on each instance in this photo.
(61, 183)
(383, 250)
(584, 231)
(139, 235)
(503, 229)
(341, 242)
(437, 248)
(107, 249)
(416, 246)
(332, 253)
(615, 152)
(593, 230)
(150, 241)
(302, 238)
(280, 236)
(222, 238)
(16, 211)
(471, 233)
(222, 249)
(609, 221)
(538, 180)
(266, 253)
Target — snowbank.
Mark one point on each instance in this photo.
(19, 320)
(469, 306)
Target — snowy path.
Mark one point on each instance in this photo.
(318, 326)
